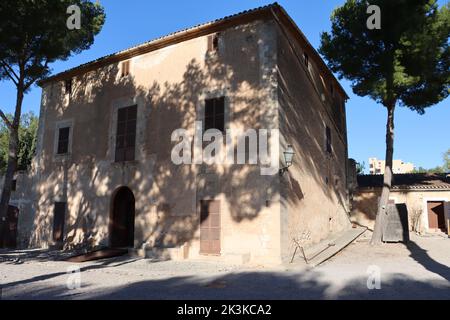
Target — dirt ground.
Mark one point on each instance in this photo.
(420, 270)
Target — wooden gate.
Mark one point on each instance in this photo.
(210, 227)
(397, 225)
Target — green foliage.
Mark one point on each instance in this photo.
(447, 161)
(27, 142)
(360, 167)
(437, 169)
(406, 61)
(445, 168)
(33, 33)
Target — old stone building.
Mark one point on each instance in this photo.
(426, 196)
(104, 175)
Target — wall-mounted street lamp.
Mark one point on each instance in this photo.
(288, 156)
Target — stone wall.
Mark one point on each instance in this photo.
(365, 204)
(168, 86)
(315, 198)
(264, 88)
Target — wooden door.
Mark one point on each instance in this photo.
(436, 215)
(122, 219)
(210, 227)
(58, 222)
(10, 229)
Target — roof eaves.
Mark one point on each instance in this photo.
(319, 59)
(171, 38)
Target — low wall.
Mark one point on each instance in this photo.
(365, 203)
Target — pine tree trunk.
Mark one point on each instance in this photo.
(380, 222)
(12, 164)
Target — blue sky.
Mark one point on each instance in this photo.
(420, 139)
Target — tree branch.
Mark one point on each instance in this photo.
(10, 72)
(33, 80)
(6, 120)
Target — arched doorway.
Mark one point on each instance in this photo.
(122, 219)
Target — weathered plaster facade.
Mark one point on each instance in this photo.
(366, 202)
(22, 198)
(414, 190)
(258, 69)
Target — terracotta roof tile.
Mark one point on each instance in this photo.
(272, 10)
(417, 181)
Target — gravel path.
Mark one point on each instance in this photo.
(420, 270)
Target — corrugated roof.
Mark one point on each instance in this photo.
(189, 33)
(416, 181)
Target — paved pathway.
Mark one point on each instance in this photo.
(420, 270)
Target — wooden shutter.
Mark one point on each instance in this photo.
(213, 43)
(125, 68)
(63, 140)
(68, 86)
(126, 134)
(219, 114)
(328, 139)
(215, 114)
(210, 43)
(209, 114)
(210, 227)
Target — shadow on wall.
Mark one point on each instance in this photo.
(364, 208)
(318, 173)
(90, 175)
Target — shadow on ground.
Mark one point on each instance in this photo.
(421, 256)
(252, 286)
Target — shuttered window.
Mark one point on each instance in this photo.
(328, 140)
(63, 140)
(215, 114)
(125, 68)
(126, 133)
(213, 43)
(68, 86)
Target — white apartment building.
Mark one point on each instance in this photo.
(376, 166)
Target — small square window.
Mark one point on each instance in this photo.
(68, 86)
(328, 140)
(213, 43)
(125, 69)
